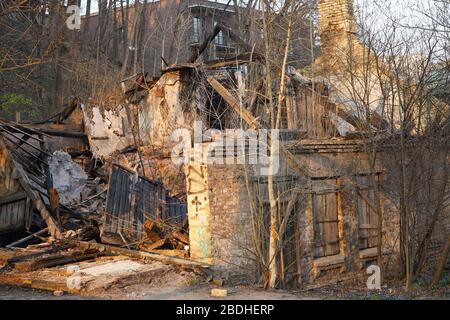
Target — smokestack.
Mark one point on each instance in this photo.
(336, 29)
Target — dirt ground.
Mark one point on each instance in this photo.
(164, 282)
(194, 291)
(199, 292)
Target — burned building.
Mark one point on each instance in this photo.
(336, 203)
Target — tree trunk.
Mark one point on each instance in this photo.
(86, 35)
(441, 264)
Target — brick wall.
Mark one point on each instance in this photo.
(221, 216)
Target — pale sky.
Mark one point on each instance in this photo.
(378, 12)
(400, 9)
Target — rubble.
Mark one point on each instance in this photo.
(69, 179)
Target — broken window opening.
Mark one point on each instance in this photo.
(215, 111)
(196, 30)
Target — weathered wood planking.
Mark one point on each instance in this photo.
(14, 211)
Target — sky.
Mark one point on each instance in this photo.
(380, 11)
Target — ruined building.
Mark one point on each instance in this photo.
(324, 182)
(331, 195)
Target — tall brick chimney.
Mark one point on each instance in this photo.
(337, 30)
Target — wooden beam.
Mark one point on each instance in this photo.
(13, 198)
(64, 134)
(186, 263)
(53, 227)
(56, 260)
(24, 141)
(254, 124)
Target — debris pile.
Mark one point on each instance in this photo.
(69, 179)
(165, 239)
(60, 207)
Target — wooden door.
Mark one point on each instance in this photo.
(326, 224)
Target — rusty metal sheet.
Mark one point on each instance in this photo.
(132, 199)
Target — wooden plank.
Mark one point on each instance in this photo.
(180, 237)
(298, 252)
(171, 252)
(6, 254)
(153, 246)
(326, 225)
(186, 263)
(52, 225)
(12, 198)
(368, 201)
(56, 260)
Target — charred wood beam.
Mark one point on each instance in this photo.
(29, 130)
(53, 227)
(32, 167)
(20, 144)
(24, 141)
(43, 131)
(66, 112)
(12, 198)
(42, 185)
(60, 116)
(234, 60)
(57, 259)
(15, 129)
(29, 153)
(76, 154)
(64, 134)
(53, 250)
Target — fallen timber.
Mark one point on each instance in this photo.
(145, 256)
(50, 269)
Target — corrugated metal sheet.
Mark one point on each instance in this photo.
(132, 199)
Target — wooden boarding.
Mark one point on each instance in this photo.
(326, 225)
